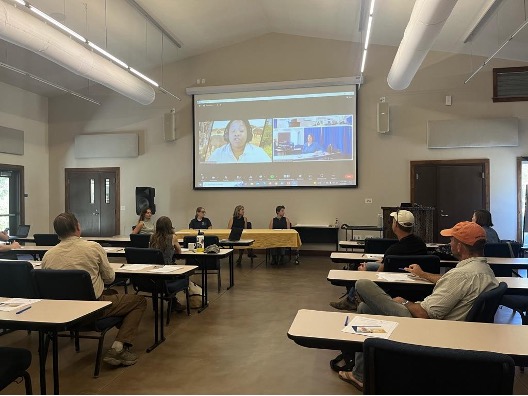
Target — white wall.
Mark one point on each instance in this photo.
(383, 158)
(28, 112)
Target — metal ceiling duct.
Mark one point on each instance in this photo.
(427, 20)
(24, 30)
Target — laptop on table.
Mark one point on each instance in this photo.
(234, 235)
(22, 232)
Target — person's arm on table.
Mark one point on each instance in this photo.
(415, 269)
(6, 248)
(415, 309)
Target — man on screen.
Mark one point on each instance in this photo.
(238, 134)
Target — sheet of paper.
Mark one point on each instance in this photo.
(374, 255)
(166, 269)
(134, 267)
(396, 277)
(368, 327)
(16, 304)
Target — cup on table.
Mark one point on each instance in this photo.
(191, 246)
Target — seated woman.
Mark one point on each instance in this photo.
(200, 222)
(145, 224)
(483, 218)
(311, 146)
(239, 221)
(165, 240)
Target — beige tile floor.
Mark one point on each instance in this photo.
(236, 346)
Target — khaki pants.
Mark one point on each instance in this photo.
(131, 308)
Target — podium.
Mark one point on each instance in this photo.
(423, 221)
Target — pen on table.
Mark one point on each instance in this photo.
(122, 265)
(346, 320)
(23, 310)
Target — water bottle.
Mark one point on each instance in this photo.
(200, 241)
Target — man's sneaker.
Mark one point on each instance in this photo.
(125, 357)
(344, 305)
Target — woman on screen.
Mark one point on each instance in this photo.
(237, 135)
(310, 146)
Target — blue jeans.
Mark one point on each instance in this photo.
(371, 266)
(376, 302)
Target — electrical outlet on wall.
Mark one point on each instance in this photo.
(368, 200)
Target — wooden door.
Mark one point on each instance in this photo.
(455, 188)
(93, 196)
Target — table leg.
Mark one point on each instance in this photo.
(231, 271)
(55, 350)
(43, 352)
(157, 340)
(204, 286)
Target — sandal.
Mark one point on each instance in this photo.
(348, 364)
(347, 376)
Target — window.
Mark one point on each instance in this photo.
(11, 197)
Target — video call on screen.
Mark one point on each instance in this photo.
(299, 137)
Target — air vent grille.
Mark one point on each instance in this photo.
(510, 84)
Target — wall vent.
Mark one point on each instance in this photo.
(510, 84)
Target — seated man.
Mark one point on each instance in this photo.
(408, 243)
(453, 295)
(5, 248)
(74, 253)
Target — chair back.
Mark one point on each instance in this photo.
(249, 225)
(486, 304)
(428, 262)
(63, 284)
(16, 280)
(208, 240)
(135, 255)
(434, 370)
(46, 239)
(140, 240)
(378, 245)
(502, 249)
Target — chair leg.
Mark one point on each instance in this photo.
(219, 280)
(77, 342)
(27, 383)
(169, 310)
(99, 355)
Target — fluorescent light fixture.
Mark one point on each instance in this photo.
(367, 37)
(487, 11)
(141, 75)
(57, 23)
(108, 55)
(40, 79)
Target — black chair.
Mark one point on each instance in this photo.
(378, 245)
(14, 363)
(212, 263)
(140, 240)
(486, 304)
(75, 285)
(428, 262)
(503, 249)
(16, 280)
(136, 255)
(46, 239)
(397, 368)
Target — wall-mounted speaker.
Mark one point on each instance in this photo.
(383, 117)
(169, 126)
(145, 199)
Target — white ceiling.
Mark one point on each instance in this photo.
(203, 25)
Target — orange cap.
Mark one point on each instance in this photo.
(466, 232)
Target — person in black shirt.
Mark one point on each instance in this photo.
(200, 222)
(408, 244)
(240, 221)
(280, 221)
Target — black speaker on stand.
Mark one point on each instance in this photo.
(145, 199)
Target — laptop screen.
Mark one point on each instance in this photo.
(23, 231)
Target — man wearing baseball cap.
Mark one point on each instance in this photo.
(453, 295)
(407, 244)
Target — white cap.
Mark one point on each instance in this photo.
(404, 218)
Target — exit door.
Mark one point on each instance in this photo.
(92, 195)
(454, 188)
